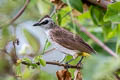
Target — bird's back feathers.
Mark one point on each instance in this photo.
(69, 40)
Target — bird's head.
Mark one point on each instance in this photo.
(46, 23)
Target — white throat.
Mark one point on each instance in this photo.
(47, 32)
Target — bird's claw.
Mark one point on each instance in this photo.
(67, 66)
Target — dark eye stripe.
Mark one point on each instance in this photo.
(44, 22)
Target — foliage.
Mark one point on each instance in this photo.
(75, 4)
(102, 23)
(100, 67)
(113, 13)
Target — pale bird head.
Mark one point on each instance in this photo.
(46, 23)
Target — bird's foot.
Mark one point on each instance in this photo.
(80, 65)
(80, 62)
(67, 66)
(67, 63)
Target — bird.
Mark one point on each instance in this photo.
(64, 40)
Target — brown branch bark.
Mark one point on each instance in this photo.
(83, 29)
(56, 63)
(101, 3)
(20, 12)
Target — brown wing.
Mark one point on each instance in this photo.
(69, 40)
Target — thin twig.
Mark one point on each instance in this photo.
(14, 42)
(83, 29)
(56, 63)
(17, 15)
(49, 50)
(53, 11)
(44, 46)
(20, 12)
(14, 56)
(64, 65)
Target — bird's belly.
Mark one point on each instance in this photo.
(63, 49)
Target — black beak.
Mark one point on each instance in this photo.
(36, 24)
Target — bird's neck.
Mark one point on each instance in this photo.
(48, 32)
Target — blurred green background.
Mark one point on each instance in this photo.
(104, 24)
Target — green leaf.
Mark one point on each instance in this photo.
(42, 62)
(76, 4)
(47, 45)
(32, 40)
(6, 36)
(18, 70)
(98, 67)
(59, 18)
(111, 34)
(96, 14)
(26, 73)
(113, 12)
(109, 30)
(118, 40)
(39, 59)
(118, 46)
(34, 65)
(27, 60)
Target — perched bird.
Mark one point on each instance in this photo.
(63, 40)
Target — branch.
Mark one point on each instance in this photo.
(101, 3)
(20, 12)
(117, 77)
(83, 29)
(56, 63)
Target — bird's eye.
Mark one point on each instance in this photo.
(44, 22)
